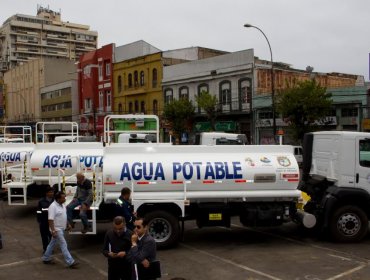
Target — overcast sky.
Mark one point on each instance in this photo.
(329, 35)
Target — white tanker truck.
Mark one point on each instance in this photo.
(206, 183)
(27, 168)
(210, 184)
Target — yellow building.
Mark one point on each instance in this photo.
(138, 78)
(137, 85)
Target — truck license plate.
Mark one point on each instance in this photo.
(215, 216)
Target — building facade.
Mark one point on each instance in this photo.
(138, 80)
(22, 100)
(95, 89)
(229, 77)
(59, 102)
(348, 99)
(138, 85)
(24, 37)
(2, 89)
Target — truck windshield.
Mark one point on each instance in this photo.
(365, 153)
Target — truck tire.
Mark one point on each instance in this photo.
(348, 224)
(164, 228)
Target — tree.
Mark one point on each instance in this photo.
(179, 115)
(302, 105)
(208, 103)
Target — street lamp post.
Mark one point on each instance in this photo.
(247, 25)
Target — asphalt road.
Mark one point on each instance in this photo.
(286, 252)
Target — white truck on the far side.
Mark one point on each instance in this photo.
(221, 138)
(336, 175)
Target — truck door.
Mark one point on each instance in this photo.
(362, 169)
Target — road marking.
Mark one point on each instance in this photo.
(303, 243)
(231, 262)
(340, 257)
(317, 247)
(12, 264)
(33, 260)
(348, 272)
(92, 265)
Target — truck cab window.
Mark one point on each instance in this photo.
(365, 153)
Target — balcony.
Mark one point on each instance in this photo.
(137, 88)
(235, 106)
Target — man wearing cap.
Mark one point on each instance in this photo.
(42, 217)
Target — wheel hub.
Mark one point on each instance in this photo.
(160, 229)
(349, 224)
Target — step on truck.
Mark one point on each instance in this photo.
(336, 175)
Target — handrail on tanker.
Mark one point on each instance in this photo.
(26, 134)
(108, 122)
(64, 179)
(55, 128)
(63, 186)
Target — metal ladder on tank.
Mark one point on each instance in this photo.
(21, 178)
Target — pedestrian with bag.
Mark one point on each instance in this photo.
(42, 217)
(117, 243)
(57, 215)
(143, 253)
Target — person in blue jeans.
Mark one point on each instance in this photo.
(57, 216)
(83, 197)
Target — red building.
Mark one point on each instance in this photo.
(95, 89)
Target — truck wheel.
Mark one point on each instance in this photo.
(348, 224)
(164, 228)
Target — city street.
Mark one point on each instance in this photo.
(287, 252)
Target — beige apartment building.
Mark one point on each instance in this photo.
(59, 102)
(24, 37)
(23, 84)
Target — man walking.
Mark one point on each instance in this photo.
(57, 222)
(117, 243)
(42, 217)
(82, 197)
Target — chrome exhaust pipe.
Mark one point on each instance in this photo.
(306, 219)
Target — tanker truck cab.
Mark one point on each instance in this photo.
(336, 174)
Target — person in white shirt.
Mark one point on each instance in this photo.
(57, 218)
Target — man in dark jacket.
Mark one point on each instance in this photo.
(82, 197)
(117, 243)
(143, 250)
(42, 217)
(125, 209)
